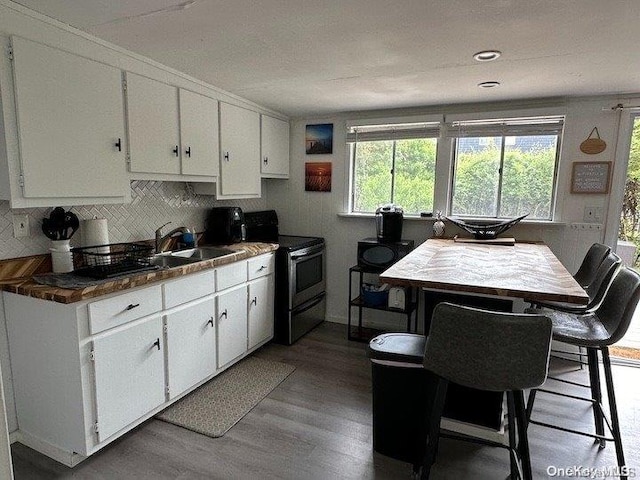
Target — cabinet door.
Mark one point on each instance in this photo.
(232, 324)
(152, 112)
(129, 375)
(71, 124)
(240, 151)
(199, 134)
(275, 147)
(260, 310)
(191, 346)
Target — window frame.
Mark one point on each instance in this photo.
(503, 144)
(433, 128)
(444, 171)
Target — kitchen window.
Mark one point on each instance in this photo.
(505, 168)
(393, 163)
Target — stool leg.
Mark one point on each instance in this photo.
(615, 423)
(513, 444)
(530, 400)
(596, 392)
(433, 427)
(523, 440)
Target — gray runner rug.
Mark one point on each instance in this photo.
(219, 404)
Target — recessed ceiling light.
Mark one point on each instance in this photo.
(487, 55)
(489, 84)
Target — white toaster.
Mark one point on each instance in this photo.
(397, 298)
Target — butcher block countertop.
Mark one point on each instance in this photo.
(524, 270)
(16, 274)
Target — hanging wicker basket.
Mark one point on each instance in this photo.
(593, 145)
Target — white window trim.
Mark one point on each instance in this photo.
(445, 156)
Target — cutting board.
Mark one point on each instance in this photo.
(493, 241)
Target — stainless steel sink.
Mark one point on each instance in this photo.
(202, 253)
(169, 261)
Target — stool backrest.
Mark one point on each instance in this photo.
(604, 275)
(488, 350)
(619, 304)
(587, 271)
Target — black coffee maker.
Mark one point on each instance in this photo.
(389, 223)
(225, 225)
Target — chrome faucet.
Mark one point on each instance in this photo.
(163, 240)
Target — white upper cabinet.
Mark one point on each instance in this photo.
(199, 134)
(154, 138)
(171, 131)
(240, 152)
(274, 147)
(70, 119)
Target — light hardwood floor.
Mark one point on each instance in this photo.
(317, 425)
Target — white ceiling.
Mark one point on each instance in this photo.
(315, 57)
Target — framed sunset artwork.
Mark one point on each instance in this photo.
(317, 176)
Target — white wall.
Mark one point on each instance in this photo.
(316, 213)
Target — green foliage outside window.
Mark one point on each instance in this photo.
(527, 179)
(630, 215)
(527, 184)
(413, 178)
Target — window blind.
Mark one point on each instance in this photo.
(508, 127)
(403, 131)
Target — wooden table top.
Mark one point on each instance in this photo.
(524, 270)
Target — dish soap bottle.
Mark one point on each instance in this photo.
(438, 226)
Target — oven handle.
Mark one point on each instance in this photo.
(307, 252)
(308, 304)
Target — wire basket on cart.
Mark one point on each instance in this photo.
(110, 260)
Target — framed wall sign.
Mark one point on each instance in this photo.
(590, 177)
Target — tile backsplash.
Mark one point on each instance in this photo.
(153, 203)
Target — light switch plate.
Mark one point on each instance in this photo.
(20, 226)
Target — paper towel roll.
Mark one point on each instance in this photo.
(95, 232)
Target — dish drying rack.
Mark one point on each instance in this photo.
(111, 260)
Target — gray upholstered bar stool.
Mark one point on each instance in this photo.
(587, 270)
(596, 288)
(495, 351)
(596, 330)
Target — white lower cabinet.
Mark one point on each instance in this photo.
(86, 372)
(260, 310)
(129, 375)
(191, 345)
(232, 324)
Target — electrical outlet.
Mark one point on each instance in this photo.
(20, 226)
(590, 214)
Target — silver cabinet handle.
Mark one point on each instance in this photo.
(254, 301)
(156, 343)
(262, 268)
(224, 314)
(131, 306)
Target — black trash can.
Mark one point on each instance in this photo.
(402, 395)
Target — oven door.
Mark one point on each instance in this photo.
(306, 274)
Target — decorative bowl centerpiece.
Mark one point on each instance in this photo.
(486, 231)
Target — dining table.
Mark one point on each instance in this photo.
(497, 275)
(528, 271)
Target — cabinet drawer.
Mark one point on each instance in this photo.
(261, 266)
(230, 275)
(189, 288)
(114, 311)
